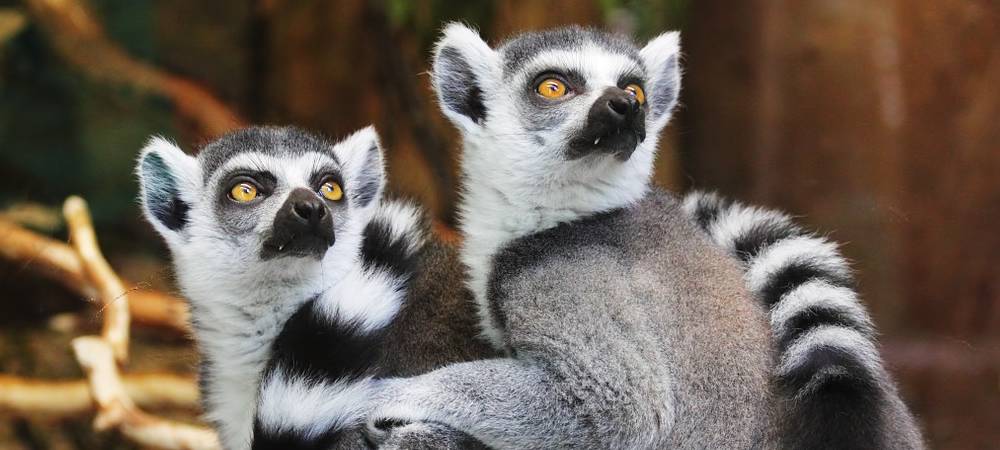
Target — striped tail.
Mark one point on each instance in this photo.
(832, 387)
(314, 392)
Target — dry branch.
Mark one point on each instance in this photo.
(150, 307)
(80, 40)
(110, 288)
(49, 256)
(24, 397)
(60, 262)
(115, 409)
(115, 397)
(97, 355)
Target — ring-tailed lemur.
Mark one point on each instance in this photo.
(625, 327)
(296, 275)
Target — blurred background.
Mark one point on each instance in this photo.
(876, 122)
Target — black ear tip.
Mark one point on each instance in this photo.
(457, 85)
(445, 58)
(160, 193)
(174, 214)
(371, 178)
(150, 159)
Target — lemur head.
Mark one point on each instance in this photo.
(263, 206)
(561, 116)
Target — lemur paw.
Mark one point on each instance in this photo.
(379, 429)
(399, 435)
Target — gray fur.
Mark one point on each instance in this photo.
(536, 114)
(525, 46)
(665, 92)
(280, 141)
(617, 342)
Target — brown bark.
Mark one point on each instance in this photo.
(875, 121)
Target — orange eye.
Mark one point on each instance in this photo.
(637, 92)
(243, 192)
(551, 88)
(331, 190)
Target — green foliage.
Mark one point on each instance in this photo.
(650, 17)
(128, 23)
(62, 134)
(424, 18)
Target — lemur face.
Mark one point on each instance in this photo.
(570, 101)
(263, 203)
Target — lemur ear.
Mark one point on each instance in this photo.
(360, 155)
(169, 180)
(662, 59)
(463, 66)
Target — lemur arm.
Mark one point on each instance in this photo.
(555, 391)
(429, 436)
(831, 384)
(501, 402)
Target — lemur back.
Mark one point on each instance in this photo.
(658, 333)
(615, 342)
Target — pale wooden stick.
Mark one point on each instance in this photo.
(24, 397)
(55, 259)
(111, 290)
(115, 409)
(149, 307)
(61, 263)
(97, 355)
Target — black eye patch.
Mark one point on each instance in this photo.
(630, 78)
(324, 174)
(573, 79)
(265, 181)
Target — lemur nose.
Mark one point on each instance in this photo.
(309, 210)
(619, 105)
(623, 105)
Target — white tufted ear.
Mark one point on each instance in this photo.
(662, 59)
(464, 66)
(169, 180)
(361, 157)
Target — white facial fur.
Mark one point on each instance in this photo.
(240, 301)
(517, 178)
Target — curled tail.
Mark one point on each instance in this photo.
(829, 378)
(314, 392)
